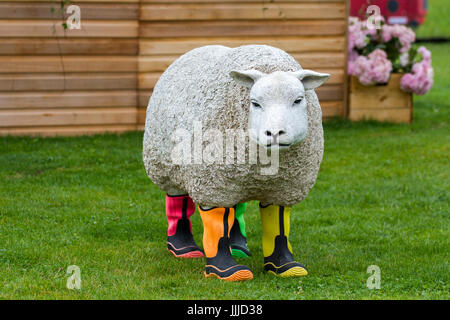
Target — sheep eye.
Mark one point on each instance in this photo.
(298, 101)
(256, 104)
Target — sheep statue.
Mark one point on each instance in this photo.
(229, 125)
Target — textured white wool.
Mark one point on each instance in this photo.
(198, 87)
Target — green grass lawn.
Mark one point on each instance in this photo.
(437, 21)
(381, 198)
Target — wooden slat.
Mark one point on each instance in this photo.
(148, 80)
(242, 11)
(312, 60)
(45, 46)
(70, 81)
(68, 99)
(401, 115)
(56, 130)
(336, 75)
(290, 44)
(331, 108)
(48, 117)
(52, 10)
(330, 92)
(242, 28)
(49, 28)
(155, 63)
(50, 64)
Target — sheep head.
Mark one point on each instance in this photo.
(278, 108)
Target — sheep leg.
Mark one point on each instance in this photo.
(217, 223)
(278, 255)
(180, 241)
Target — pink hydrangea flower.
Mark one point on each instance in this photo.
(420, 80)
(356, 36)
(405, 35)
(373, 69)
(376, 67)
(404, 59)
(426, 54)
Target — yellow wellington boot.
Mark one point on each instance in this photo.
(217, 223)
(278, 256)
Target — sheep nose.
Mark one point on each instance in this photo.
(274, 133)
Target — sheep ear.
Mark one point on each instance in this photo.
(311, 79)
(246, 78)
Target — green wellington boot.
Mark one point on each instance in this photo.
(238, 237)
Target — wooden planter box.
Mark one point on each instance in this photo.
(386, 103)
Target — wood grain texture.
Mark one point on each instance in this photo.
(242, 28)
(67, 99)
(52, 10)
(143, 98)
(394, 115)
(68, 81)
(48, 64)
(315, 60)
(242, 11)
(330, 92)
(68, 130)
(289, 44)
(382, 102)
(308, 60)
(388, 96)
(332, 109)
(49, 28)
(148, 80)
(65, 47)
(48, 117)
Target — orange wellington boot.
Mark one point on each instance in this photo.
(217, 223)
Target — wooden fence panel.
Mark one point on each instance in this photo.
(59, 81)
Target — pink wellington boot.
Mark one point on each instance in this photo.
(180, 241)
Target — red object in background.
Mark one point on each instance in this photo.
(410, 12)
